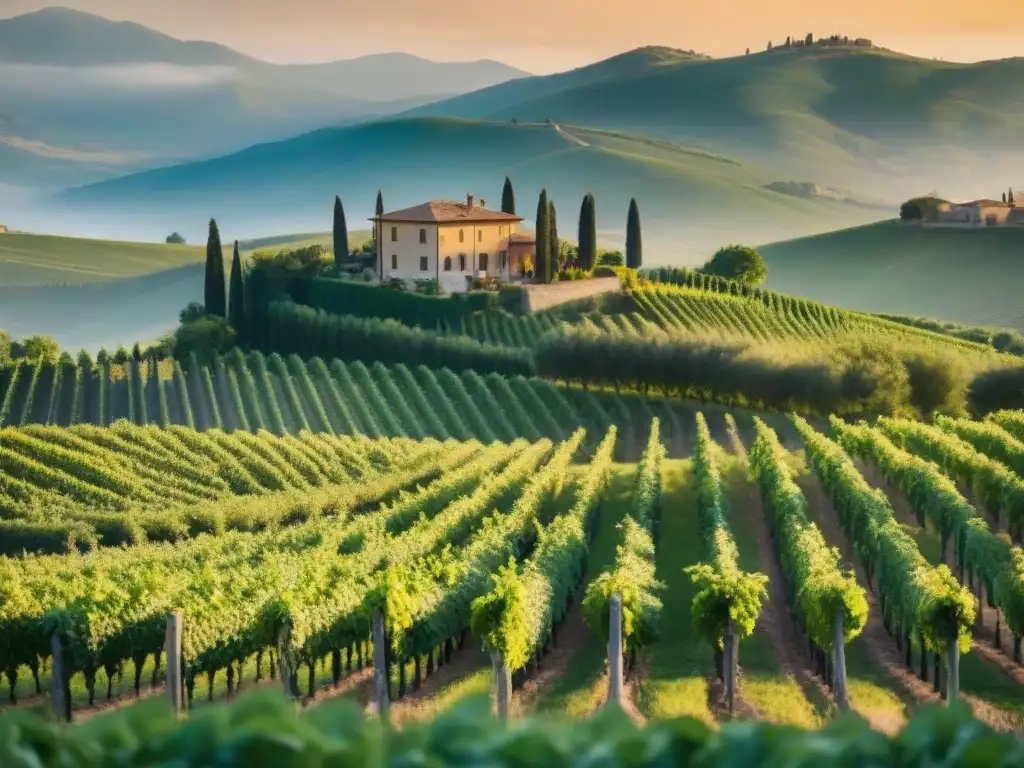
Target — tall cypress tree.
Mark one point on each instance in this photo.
(634, 249)
(553, 259)
(542, 272)
(340, 234)
(236, 300)
(377, 246)
(588, 233)
(508, 198)
(214, 288)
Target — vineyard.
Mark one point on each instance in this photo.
(844, 567)
(286, 396)
(642, 500)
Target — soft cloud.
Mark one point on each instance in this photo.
(16, 78)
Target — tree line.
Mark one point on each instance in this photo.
(858, 378)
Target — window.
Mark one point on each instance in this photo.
(394, 261)
(462, 262)
(447, 263)
(394, 234)
(479, 235)
(423, 263)
(483, 262)
(462, 235)
(503, 257)
(423, 236)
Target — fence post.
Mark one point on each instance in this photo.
(172, 650)
(615, 649)
(730, 666)
(839, 689)
(59, 692)
(284, 662)
(953, 662)
(502, 685)
(380, 670)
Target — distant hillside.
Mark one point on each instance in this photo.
(835, 116)
(971, 277)
(687, 198)
(71, 81)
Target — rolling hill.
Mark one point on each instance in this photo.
(89, 294)
(971, 277)
(687, 197)
(74, 83)
(861, 118)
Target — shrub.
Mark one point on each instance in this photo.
(997, 390)
(36, 348)
(207, 337)
(611, 259)
(574, 273)
(737, 262)
(309, 260)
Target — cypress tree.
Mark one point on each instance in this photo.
(340, 234)
(553, 259)
(379, 211)
(634, 249)
(542, 271)
(214, 288)
(588, 233)
(236, 300)
(508, 198)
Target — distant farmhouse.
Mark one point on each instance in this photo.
(980, 213)
(936, 212)
(3, 228)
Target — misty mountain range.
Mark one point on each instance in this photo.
(83, 98)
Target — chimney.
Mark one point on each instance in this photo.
(483, 203)
(469, 200)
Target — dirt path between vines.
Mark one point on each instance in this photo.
(775, 618)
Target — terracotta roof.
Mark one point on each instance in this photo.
(985, 203)
(443, 211)
(523, 237)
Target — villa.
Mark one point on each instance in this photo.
(451, 242)
(979, 213)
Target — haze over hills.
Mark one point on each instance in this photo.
(964, 276)
(690, 201)
(841, 116)
(73, 85)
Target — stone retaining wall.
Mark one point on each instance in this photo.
(540, 297)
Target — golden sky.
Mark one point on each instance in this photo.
(550, 35)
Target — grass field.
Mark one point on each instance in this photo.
(93, 294)
(33, 260)
(970, 277)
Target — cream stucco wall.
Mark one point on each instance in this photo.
(402, 256)
(402, 251)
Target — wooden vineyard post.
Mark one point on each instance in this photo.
(59, 693)
(615, 649)
(953, 671)
(730, 665)
(380, 669)
(172, 650)
(839, 689)
(288, 674)
(502, 685)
